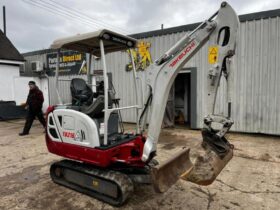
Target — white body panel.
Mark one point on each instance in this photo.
(74, 127)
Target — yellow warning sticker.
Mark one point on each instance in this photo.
(213, 54)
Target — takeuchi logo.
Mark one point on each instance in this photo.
(141, 56)
(182, 55)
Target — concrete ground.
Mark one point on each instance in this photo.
(250, 181)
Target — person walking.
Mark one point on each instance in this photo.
(34, 105)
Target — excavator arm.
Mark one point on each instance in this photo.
(221, 31)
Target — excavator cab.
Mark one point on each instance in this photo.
(93, 119)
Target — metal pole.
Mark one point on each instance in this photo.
(4, 20)
(135, 88)
(56, 76)
(105, 76)
(89, 70)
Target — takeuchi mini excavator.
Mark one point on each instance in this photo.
(104, 161)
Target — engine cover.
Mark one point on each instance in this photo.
(73, 127)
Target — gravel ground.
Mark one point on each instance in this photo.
(250, 181)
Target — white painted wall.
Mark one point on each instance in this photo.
(7, 75)
(45, 89)
(15, 88)
(21, 89)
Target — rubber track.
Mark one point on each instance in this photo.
(124, 183)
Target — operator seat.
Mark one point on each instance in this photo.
(81, 93)
(88, 102)
(92, 104)
(95, 110)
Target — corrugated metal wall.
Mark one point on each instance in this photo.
(256, 96)
(26, 70)
(64, 88)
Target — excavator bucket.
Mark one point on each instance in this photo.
(169, 172)
(207, 165)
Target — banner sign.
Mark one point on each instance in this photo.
(71, 62)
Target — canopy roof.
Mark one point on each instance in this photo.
(90, 42)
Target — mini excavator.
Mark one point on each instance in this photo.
(105, 162)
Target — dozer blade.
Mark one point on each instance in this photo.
(168, 173)
(207, 165)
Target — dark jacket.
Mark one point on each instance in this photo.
(35, 100)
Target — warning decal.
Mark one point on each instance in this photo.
(213, 54)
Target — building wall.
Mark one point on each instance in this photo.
(15, 88)
(256, 95)
(26, 69)
(20, 85)
(8, 73)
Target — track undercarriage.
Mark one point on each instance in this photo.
(113, 186)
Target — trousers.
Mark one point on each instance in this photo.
(30, 117)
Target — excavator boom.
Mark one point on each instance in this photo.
(220, 31)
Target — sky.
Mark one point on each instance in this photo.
(34, 24)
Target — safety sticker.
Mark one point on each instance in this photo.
(213, 54)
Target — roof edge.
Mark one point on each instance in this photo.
(10, 61)
(189, 27)
(37, 52)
